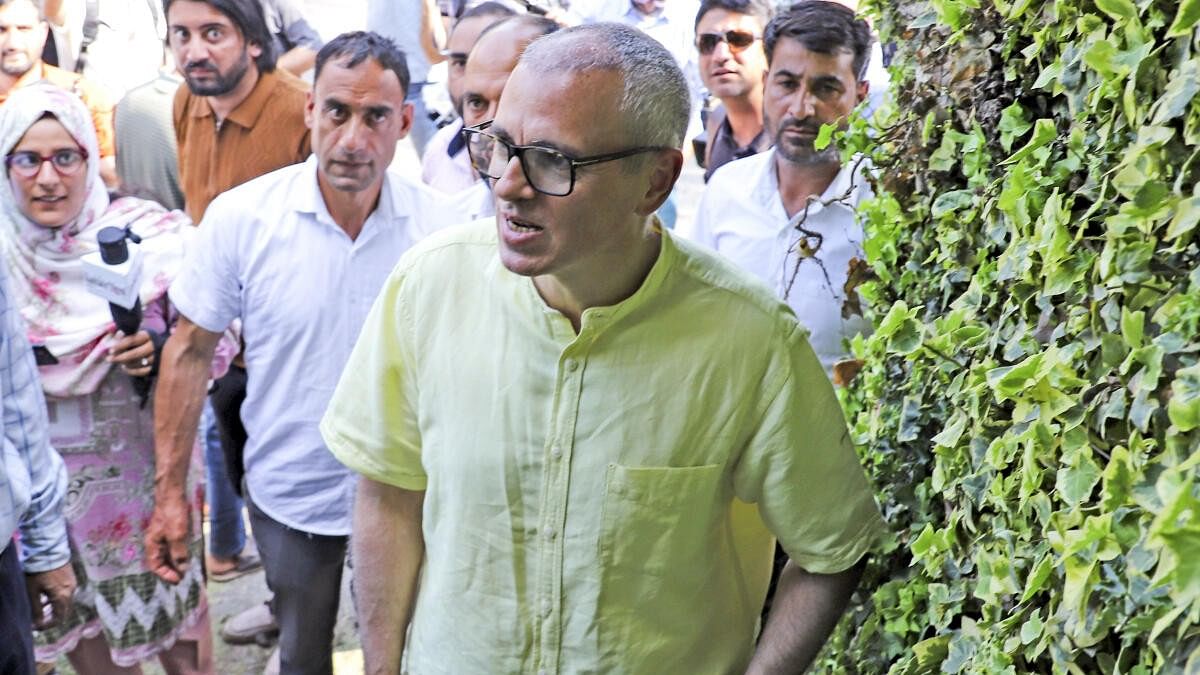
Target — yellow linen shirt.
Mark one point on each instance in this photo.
(595, 503)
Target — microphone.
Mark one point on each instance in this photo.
(114, 273)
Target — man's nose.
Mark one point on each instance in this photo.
(512, 186)
(354, 134)
(801, 104)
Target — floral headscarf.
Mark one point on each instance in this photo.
(44, 263)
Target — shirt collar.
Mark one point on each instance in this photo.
(846, 190)
(247, 112)
(457, 142)
(725, 136)
(595, 319)
(308, 197)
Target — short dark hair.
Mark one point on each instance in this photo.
(489, 8)
(247, 16)
(759, 9)
(539, 24)
(357, 46)
(824, 27)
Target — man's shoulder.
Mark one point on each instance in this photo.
(287, 84)
(250, 200)
(737, 289)
(451, 250)
(740, 174)
(93, 95)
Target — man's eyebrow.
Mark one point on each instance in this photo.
(379, 109)
(568, 150)
(827, 79)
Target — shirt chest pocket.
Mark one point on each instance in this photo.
(656, 519)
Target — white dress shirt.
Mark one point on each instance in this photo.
(442, 171)
(475, 202)
(269, 253)
(742, 217)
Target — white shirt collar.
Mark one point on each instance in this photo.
(845, 192)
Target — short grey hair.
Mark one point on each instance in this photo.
(655, 102)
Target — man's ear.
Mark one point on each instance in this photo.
(310, 103)
(406, 119)
(861, 91)
(255, 50)
(663, 172)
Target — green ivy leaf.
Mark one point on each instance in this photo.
(1185, 19)
(1184, 406)
(1187, 216)
(1132, 327)
(1031, 630)
(1044, 131)
(1122, 10)
(824, 136)
(1041, 572)
(1074, 483)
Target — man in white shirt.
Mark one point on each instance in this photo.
(788, 215)
(445, 165)
(298, 255)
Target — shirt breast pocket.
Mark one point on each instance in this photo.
(656, 519)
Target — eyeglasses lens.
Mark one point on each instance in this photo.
(548, 171)
(28, 164)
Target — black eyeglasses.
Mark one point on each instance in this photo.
(547, 170)
(27, 164)
(736, 39)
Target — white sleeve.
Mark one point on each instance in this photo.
(208, 290)
(699, 228)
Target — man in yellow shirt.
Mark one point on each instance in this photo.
(579, 433)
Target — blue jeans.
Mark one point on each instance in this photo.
(226, 532)
(16, 627)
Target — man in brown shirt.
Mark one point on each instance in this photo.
(236, 117)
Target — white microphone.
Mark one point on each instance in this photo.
(114, 273)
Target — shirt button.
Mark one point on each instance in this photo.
(549, 532)
(546, 607)
(556, 452)
(543, 671)
(572, 365)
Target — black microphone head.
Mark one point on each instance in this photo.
(113, 249)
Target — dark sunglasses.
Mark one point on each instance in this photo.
(736, 39)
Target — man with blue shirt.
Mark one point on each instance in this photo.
(298, 255)
(33, 483)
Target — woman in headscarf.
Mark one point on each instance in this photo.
(52, 205)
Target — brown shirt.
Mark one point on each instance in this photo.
(97, 102)
(265, 132)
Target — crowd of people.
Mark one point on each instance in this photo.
(556, 428)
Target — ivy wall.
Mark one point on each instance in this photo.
(1030, 406)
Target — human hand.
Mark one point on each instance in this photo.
(134, 353)
(166, 538)
(54, 587)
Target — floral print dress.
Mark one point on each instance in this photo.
(106, 439)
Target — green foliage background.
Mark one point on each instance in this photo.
(1030, 406)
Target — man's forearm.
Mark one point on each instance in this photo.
(297, 60)
(805, 610)
(178, 402)
(388, 552)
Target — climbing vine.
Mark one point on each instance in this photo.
(1029, 409)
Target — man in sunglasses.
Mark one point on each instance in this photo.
(732, 64)
(788, 215)
(578, 432)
